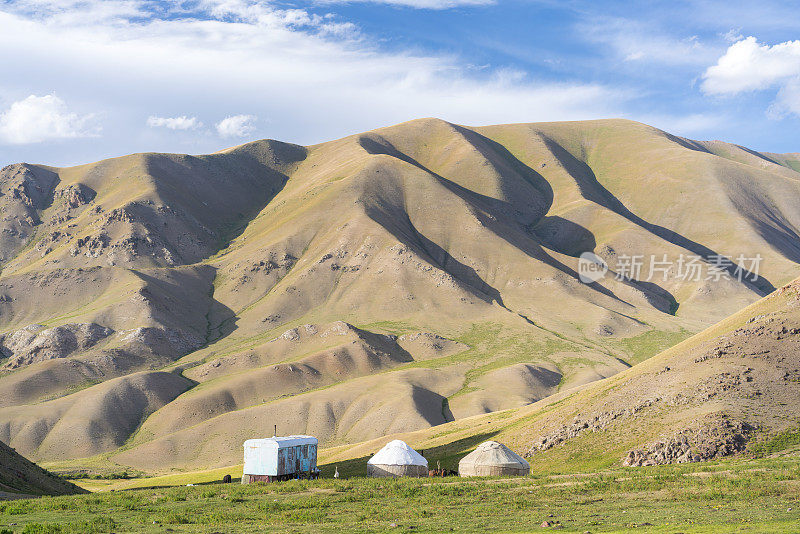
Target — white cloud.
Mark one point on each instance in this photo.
(418, 4)
(260, 13)
(634, 41)
(316, 76)
(85, 11)
(43, 118)
(633, 56)
(236, 126)
(788, 100)
(733, 35)
(174, 123)
(749, 66)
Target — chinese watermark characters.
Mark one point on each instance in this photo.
(687, 268)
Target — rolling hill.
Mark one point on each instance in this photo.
(158, 309)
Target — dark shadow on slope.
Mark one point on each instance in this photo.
(699, 147)
(657, 296)
(500, 157)
(382, 344)
(506, 165)
(50, 181)
(554, 233)
(173, 290)
(134, 404)
(424, 247)
(20, 475)
(447, 413)
(564, 236)
(522, 241)
(594, 191)
(224, 192)
(759, 155)
(780, 234)
(429, 405)
(492, 151)
(689, 144)
(783, 238)
(491, 212)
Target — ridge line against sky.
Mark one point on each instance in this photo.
(87, 79)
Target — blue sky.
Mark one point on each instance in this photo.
(83, 80)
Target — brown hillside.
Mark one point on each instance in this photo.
(445, 255)
(19, 477)
(732, 389)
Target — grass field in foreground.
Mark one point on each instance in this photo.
(733, 496)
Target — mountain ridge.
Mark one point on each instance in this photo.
(465, 236)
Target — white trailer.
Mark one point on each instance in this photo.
(280, 458)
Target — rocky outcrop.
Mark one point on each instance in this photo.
(25, 190)
(712, 440)
(580, 425)
(35, 343)
(144, 231)
(27, 185)
(167, 342)
(75, 195)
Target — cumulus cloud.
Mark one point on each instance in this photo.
(43, 118)
(748, 66)
(236, 126)
(174, 123)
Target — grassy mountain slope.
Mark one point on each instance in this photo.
(19, 476)
(387, 281)
(730, 389)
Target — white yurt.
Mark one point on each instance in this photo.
(397, 459)
(492, 459)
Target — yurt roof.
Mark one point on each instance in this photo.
(397, 452)
(494, 453)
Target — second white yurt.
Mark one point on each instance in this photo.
(492, 459)
(397, 459)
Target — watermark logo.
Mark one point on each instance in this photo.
(688, 268)
(591, 267)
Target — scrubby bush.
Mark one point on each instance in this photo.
(776, 443)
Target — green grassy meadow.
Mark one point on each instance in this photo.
(756, 495)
